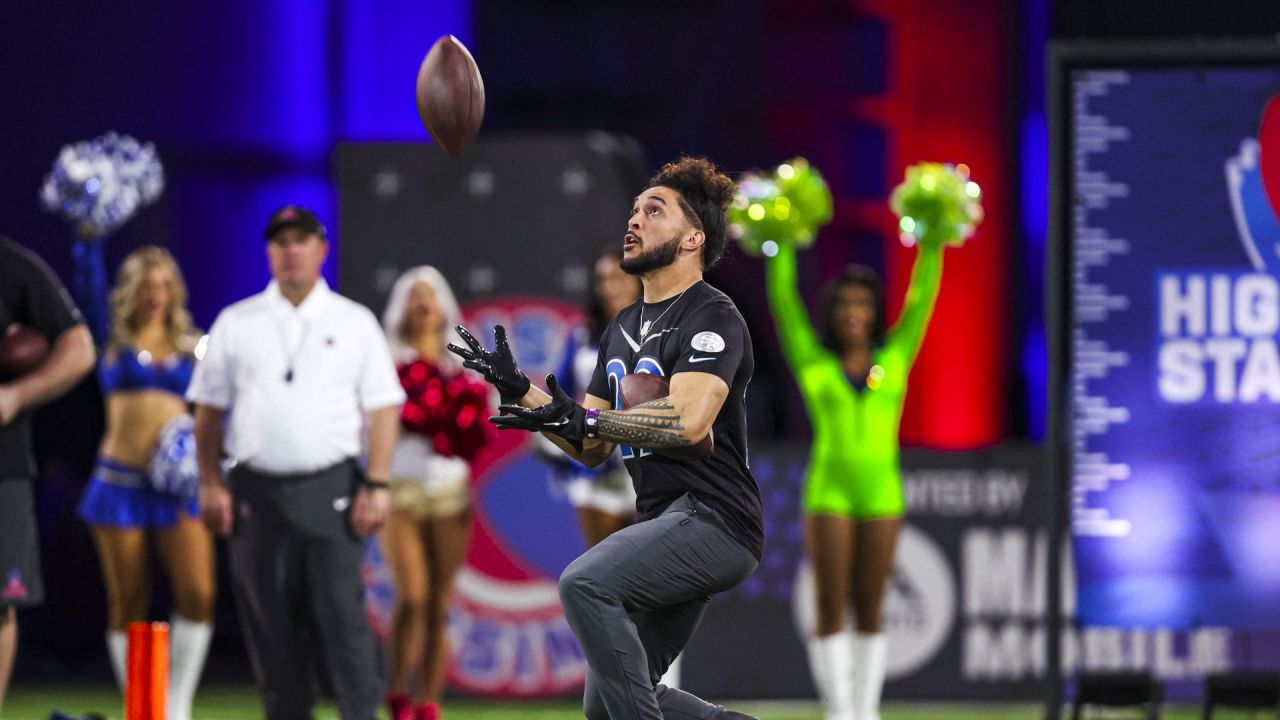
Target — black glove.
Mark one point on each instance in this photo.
(497, 367)
(562, 416)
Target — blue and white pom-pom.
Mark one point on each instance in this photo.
(99, 184)
(173, 468)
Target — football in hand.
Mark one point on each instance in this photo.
(639, 388)
(22, 349)
(450, 95)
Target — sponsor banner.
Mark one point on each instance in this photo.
(1173, 372)
(965, 610)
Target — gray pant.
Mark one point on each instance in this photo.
(634, 600)
(21, 584)
(296, 575)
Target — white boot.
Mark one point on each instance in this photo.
(671, 678)
(870, 656)
(118, 651)
(818, 669)
(188, 646)
(836, 655)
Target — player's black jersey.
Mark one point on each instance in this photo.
(699, 331)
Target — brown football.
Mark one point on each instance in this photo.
(640, 388)
(22, 349)
(450, 95)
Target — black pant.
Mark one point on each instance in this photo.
(634, 600)
(296, 574)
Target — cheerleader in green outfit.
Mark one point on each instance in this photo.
(853, 375)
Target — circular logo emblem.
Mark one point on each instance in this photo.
(919, 608)
(707, 342)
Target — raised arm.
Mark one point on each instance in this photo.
(89, 286)
(907, 334)
(801, 344)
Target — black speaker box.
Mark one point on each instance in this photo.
(512, 215)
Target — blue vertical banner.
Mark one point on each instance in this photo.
(1033, 205)
(1174, 377)
(383, 45)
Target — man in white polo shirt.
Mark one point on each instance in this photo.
(301, 370)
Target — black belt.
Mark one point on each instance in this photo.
(293, 476)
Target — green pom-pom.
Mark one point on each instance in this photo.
(809, 195)
(757, 217)
(936, 204)
(788, 206)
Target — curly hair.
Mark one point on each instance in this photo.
(705, 193)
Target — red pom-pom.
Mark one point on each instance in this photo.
(446, 410)
(417, 372)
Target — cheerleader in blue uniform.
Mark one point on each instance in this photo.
(145, 486)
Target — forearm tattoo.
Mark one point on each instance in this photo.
(654, 425)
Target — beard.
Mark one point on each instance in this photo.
(650, 260)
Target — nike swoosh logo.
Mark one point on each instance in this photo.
(693, 359)
(635, 346)
(558, 423)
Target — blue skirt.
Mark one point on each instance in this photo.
(122, 496)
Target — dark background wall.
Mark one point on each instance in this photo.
(1175, 18)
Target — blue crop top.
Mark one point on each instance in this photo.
(126, 371)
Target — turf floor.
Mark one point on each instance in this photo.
(240, 703)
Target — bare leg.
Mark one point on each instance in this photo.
(186, 549)
(830, 545)
(597, 524)
(126, 572)
(407, 557)
(8, 648)
(876, 542)
(447, 540)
